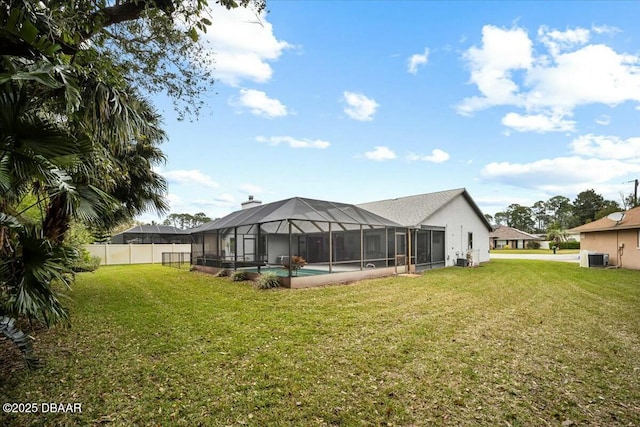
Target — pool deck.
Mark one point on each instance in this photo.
(326, 278)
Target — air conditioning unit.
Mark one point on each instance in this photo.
(598, 260)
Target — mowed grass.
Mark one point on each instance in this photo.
(535, 251)
(511, 343)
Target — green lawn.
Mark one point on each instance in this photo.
(512, 343)
(534, 251)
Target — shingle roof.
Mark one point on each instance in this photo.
(301, 209)
(630, 220)
(504, 232)
(412, 211)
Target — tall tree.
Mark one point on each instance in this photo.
(501, 218)
(539, 210)
(586, 205)
(155, 43)
(520, 217)
(608, 207)
(560, 210)
(76, 136)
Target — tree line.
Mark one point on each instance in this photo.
(559, 212)
(186, 220)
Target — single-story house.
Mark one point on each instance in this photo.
(448, 227)
(146, 234)
(617, 236)
(350, 242)
(503, 235)
(344, 240)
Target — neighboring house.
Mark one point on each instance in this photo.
(447, 225)
(146, 234)
(503, 235)
(619, 239)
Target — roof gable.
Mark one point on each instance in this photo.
(414, 210)
(510, 233)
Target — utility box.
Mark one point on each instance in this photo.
(598, 260)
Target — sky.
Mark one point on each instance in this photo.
(357, 101)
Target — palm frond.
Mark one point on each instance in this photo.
(23, 341)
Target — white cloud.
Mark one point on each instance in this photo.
(243, 44)
(380, 153)
(437, 156)
(607, 147)
(260, 104)
(416, 60)
(538, 123)
(560, 172)
(190, 177)
(605, 29)
(294, 142)
(590, 75)
(573, 71)
(502, 52)
(359, 107)
(557, 41)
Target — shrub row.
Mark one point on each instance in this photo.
(569, 245)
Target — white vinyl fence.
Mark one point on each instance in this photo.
(134, 253)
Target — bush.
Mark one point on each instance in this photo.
(85, 262)
(506, 247)
(267, 280)
(221, 273)
(238, 276)
(533, 244)
(569, 245)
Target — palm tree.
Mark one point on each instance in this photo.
(74, 144)
(557, 235)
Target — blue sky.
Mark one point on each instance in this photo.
(357, 101)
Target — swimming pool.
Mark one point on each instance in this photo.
(282, 272)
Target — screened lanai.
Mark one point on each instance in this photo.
(331, 237)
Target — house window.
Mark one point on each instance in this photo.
(638, 245)
(470, 240)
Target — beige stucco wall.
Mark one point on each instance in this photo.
(608, 242)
